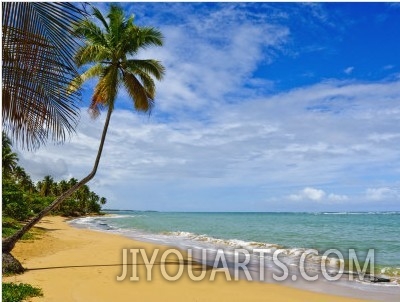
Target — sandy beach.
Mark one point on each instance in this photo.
(72, 264)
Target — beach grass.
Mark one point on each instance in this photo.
(12, 292)
(10, 226)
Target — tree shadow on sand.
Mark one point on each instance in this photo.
(196, 266)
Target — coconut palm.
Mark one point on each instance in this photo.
(9, 158)
(46, 186)
(37, 66)
(103, 200)
(110, 50)
(24, 179)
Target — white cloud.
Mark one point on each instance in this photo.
(216, 137)
(382, 193)
(318, 195)
(278, 142)
(336, 197)
(209, 55)
(348, 70)
(383, 137)
(41, 166)
(308, 193)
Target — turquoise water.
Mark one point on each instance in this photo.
(292, 232)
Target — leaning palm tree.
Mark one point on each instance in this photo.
(110, 51)
(37, 66)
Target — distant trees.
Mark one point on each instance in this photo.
(9, 158)
(22, 198)
(82, 202)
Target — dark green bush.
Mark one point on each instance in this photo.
(18, 292)
(14, 203)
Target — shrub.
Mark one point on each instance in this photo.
(18, 292)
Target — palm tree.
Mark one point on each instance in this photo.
(62, 186)
(37, 66)
(110, 50)
(46, 186)
(103, 200)
(82, 198)
(9, 158)
(24, 179)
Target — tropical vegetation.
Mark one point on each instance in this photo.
(12, 292)
(22, 198)
(109, 51)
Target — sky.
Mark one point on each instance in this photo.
(264, 107)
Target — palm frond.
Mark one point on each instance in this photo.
(106, 89)
(116, 17)
(94, 71)
(148, 84)
(111, 83)
(91, 53)
(153, 67)
(100, 17)
(142, 100)
(150, 36)
(37, 67)
(91, 32)
(136, 38)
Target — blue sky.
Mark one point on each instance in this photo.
(264, 107)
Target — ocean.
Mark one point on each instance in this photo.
(299, 237)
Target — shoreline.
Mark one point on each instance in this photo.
(74, 264)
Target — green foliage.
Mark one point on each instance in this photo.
(23, 199)
(13, 292)
(81, 202)
(111, 45)
(14, 204)
(10, 226)
(9, 158)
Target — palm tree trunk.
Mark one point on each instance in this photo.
(9, 242)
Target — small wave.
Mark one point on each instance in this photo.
(83, 220)
(291, 256)
(233, 243)
(359, 213)
(335, 213)
(116, 216)
(392, 273)
(92, 223)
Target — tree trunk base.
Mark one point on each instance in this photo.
(11, 265)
